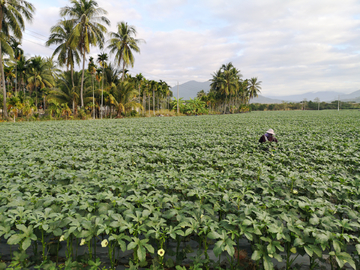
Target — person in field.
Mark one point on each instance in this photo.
(268, 136)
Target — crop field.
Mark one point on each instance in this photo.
(135, 193)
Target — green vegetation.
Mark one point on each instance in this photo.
(148, 186)
(96, 91)
(308, 105)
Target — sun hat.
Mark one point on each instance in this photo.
(270, 131)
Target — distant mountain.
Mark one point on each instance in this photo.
(265, 100)
(326, 96)
(191, 88)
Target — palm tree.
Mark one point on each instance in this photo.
(226, 81)
(152, 87)
(123, 97)
(11, 20)
(254, 87)
(122, 43)
(66, 92)
(139, 80)
(88, 30)
(21, 66)
(244, 91)
(92, 71)
(18, 53)
(67, 55)
(40, 75)
(102, 58)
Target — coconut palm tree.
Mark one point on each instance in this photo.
(18, 53)
(88, 29)
(254, 87)
(225, 82)
(139, 80)
(122, 44)
(65, 91)
(40, 75)
(123, 97)
(92, 71)
(60, 35)
(12, 14)
(21, 66)
(153, 87)
(102, 58)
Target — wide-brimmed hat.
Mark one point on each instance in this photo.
(270, 131)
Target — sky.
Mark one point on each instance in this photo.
(291, 46)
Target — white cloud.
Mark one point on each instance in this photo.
(291, 46)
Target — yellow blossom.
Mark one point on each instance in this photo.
(82, 242)
(161, 252)
(104, 243)
(62, 238)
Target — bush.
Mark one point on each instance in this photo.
(82, 114)
(133, 113)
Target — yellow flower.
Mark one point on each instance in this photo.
(295, 191)
(82, 242)
(201, 216)
(293, 250)
(161, 252)
(271, 256)
(62, 238)
(104, 243)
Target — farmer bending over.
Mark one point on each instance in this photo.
(268, 136)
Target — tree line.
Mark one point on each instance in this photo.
(228, 91)
(101, 89)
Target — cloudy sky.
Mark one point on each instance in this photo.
(292, 46)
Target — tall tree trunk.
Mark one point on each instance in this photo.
(144, 103)
(36, 94)
(153, 102)
(149, 105)
(82, 82)
(15, 77)
(22, 83)
(72, 75)
(93, 97)
(5, 113)
(123, 73)
(102, 95)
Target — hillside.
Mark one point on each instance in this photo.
(191, 88)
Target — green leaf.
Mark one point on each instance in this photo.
(314, 220)
(357, 248)
(218, 248)
(26, 243)
(131, 245)
(141, 253)
(336, 246)
(213, 235)
(309, 251)
(2, 265)
(268, 265)
(316, 250)
(256, 255)
(230, 249)
(298, 242)
(57, 232)
(15, 239)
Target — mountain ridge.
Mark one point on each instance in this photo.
(190, 89)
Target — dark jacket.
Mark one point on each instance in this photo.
(265, 139)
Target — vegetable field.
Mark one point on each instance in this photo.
(140, 190)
